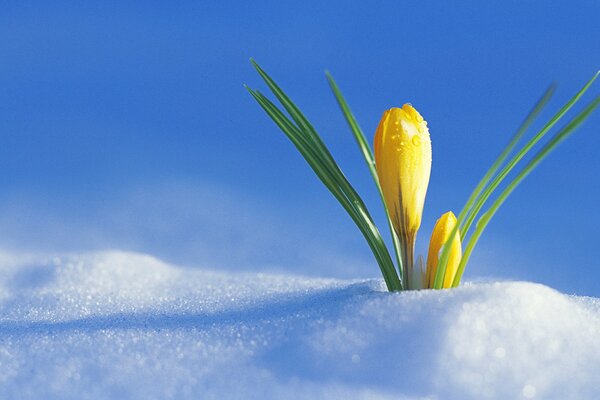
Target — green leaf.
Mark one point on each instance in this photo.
(367, 153)
(522, 153)
(506, 152)
(312, 148)
(482, 197)
(445, 255)
(543, 153)
(361, 140)
(310, 133)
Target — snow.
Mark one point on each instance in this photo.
(111, 325)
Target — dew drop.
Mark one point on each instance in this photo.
(416, 140)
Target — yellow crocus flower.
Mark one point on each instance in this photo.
(440, 235)
(403, 161)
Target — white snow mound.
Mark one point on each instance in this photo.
(116, 325)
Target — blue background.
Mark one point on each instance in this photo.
(127, 126)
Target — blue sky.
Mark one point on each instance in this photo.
(127, 126)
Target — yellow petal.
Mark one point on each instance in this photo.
(441, 232)
(403, 159)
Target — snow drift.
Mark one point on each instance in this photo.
(119, 325)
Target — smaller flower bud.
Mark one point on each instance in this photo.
(440, 235)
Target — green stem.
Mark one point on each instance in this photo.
(408, 256)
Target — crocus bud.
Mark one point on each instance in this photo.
(440, 235)
(403, 161)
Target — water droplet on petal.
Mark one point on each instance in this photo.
(416, 140)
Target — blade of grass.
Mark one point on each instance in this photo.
(506, 152)
(363, 144)
(543, 153)
(310, 133)
(313, 137)
(361, 219)
(293, 134)
(293, 110)
(301, 121)
(459, 228)
(367, 153)
(520, 154)
(489, 190)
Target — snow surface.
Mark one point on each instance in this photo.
(116, 325)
